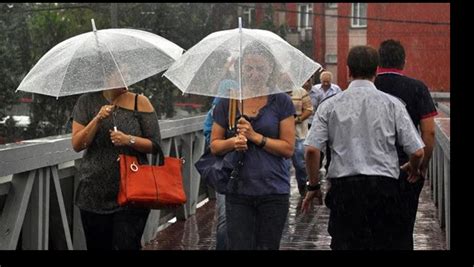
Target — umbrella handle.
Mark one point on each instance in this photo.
(93, 25)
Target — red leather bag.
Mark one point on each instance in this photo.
(151, 186)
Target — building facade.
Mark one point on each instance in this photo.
(422, 28)
(326, 32)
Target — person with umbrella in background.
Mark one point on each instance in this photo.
(107, 120)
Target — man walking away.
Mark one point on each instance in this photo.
(361, 126)
(390, 79)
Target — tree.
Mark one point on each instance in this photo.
(14, 40)
(48, 28)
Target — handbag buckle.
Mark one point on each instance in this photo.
(134, 167)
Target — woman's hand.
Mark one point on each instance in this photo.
(105, 111)
(245, 128)
(118, 138)
(240, 143)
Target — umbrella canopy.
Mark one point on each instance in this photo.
(100, 60)
(206, 64)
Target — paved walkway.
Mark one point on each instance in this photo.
(302, 232)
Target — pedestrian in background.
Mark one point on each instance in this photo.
(318, 94)
(304, 109)
(419, 104)
(361, 126)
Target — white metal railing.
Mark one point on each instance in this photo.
(38, 181)
(440, 176)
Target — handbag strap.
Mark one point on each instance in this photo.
(161, 156)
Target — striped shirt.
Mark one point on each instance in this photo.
(362, 125)
(317, 95)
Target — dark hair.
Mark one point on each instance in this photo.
(392, 54)
(362, 62)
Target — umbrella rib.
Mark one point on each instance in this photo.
(115, 62)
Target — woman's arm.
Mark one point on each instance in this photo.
(82, 136)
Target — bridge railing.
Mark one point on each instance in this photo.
(439, 169)
(38, 179)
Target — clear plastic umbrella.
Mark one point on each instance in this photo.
(100, 60)
(218, 56)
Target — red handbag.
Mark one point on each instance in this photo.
(151, 186)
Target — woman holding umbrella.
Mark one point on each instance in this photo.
(106, 124)
(257, 211)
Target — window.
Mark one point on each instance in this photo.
(248, 17)
(331, 5)
(305, 16)
(359, 13)
(331, 58)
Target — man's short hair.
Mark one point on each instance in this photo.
(392, 54)
(362, 62)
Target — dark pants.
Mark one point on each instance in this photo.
(121, 230)
(365, 213)
(410, 193)
(255, 223)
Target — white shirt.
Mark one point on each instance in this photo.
(318, 94)
(362, 125)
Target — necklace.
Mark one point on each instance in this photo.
(256, 105)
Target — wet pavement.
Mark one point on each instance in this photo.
(302, 232)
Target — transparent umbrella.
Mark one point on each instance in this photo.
(207, 63)
(88, 62)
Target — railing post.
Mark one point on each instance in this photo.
(62, 208)
(447, 192)
(440, 189)
(14, 210)
(35, 231)
(189, 183)
(79, 239)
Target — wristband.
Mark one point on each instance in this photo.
(313, 187)
(263, 142)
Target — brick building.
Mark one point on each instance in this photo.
(331, 29)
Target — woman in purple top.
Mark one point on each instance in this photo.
(256, 211)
